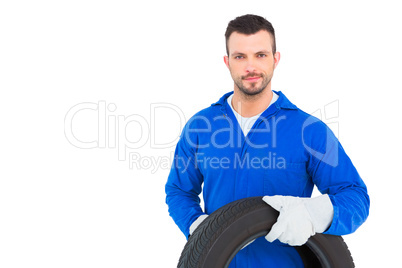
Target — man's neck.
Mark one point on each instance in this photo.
(248, 106)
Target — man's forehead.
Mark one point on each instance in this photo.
(259, 41)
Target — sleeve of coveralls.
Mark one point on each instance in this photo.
(184, 183)
(334, 174)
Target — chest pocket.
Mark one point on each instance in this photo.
(288, 179)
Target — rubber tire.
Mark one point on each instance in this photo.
(223, 233)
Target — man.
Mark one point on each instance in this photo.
(255, 142)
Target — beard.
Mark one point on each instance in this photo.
(252, 89)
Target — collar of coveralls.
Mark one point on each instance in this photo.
(281, 103)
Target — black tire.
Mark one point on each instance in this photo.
(223, 233)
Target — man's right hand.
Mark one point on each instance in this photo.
(200, 219)
(197, 222)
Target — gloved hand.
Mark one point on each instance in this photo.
(299, 218)
(197, 222)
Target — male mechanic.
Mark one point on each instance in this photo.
(254, 142)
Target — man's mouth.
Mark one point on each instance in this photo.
(253, 78)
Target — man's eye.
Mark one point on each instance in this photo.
(262, 55)
(238, 57)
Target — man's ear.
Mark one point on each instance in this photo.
(277, 57)
(226, 60)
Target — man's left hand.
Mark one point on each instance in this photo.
(299, 218)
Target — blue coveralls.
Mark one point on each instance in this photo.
(286, 152)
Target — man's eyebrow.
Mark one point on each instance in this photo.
(259, 52)
(263, 52)
(237, 53)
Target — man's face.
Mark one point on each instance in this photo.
(251, 62)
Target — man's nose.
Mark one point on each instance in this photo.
(250, 67)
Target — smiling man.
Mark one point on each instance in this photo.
(255, 142)
(251, 63)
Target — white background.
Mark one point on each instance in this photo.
(65, 206)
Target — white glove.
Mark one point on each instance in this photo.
(299, 218)
(197, 222)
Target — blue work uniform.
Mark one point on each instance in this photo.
(286, 152)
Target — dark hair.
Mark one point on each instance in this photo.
(250, 24)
